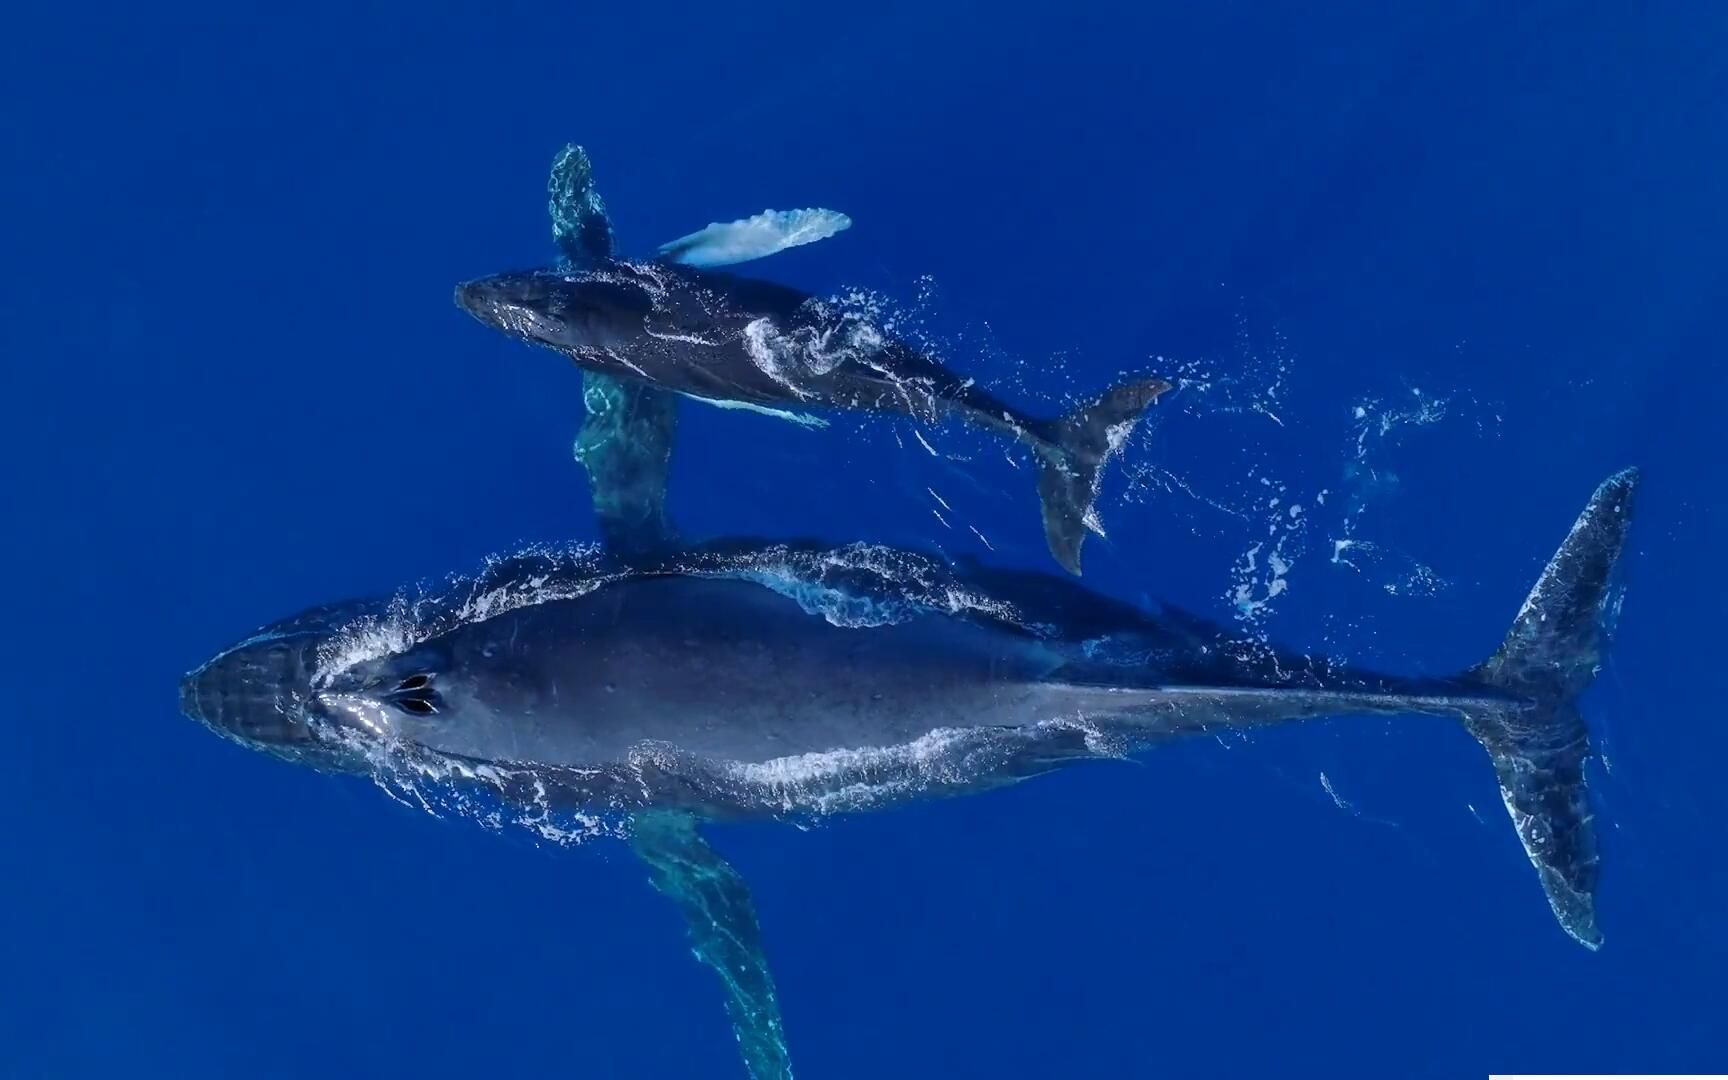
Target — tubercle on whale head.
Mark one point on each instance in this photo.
(272, 692)
(594, 309)
(256, 694)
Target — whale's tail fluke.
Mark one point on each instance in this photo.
(1075, 449)
(1538, 740)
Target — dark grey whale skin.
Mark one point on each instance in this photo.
(672, 688)
(731, 672)
(704, 333)
(720, 672)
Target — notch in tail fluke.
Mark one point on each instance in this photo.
(1537, 740)
(1077, 447)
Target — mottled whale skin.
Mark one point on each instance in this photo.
(756, 680)
(732, 340)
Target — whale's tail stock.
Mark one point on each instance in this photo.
(1537, 739)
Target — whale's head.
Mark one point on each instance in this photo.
(575, 312)
(328, 688)
(409, 696)
(255, 693)
(260, 692)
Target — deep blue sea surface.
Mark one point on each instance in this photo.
(1428, 272)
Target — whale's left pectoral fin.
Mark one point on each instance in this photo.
(627, 434)
(724, 933)
(726, 243)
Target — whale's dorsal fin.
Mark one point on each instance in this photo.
(580, 226)
(725, 243)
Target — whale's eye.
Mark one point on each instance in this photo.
(414, 682)
(416, 706)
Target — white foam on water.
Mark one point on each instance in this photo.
(421, 613)
(1377, 426)
(1286, 512)
(770, 350)
(859, 584)
(473, 791)
(1337, 799)
(792, 357)
(807, 782)
(855, 779)
(1261, 574)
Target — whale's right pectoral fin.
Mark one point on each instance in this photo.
(724, 933)
(626, 439)
(726, 243)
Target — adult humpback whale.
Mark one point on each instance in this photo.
(675, 324)
(761, 681)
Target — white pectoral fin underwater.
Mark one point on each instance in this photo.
(765, 234)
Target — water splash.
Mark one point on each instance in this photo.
(1370, 478)
(1283, 508)
(423, 611)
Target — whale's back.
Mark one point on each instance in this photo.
(725, 671)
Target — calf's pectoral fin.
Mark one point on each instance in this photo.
(727, 243)
(724, 934)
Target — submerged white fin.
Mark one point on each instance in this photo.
(722, 244)
(801, 419)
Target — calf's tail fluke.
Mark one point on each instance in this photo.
(1537, 739)
(1072, 461)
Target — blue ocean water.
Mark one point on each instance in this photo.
(1449, 265)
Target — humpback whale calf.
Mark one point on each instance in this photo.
(752, 680)
(678, 324)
